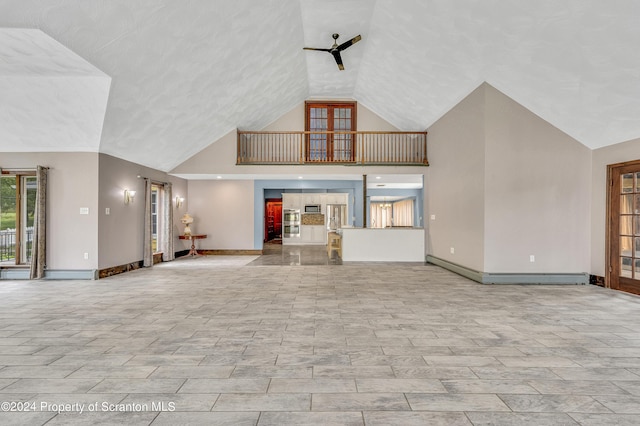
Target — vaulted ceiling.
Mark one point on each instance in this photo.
(156, 81)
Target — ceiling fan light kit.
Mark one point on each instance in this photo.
(336, 48)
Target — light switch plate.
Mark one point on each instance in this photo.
(84, 210)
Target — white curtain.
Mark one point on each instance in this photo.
(380, 216)
(39, 244)
(147, 259)
(167, 220)
(403, 213)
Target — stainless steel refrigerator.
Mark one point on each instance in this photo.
(336, 216)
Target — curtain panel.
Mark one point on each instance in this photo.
(380, 216)
(147, 256)
(39, 243)
(168, 252)
(403, 213)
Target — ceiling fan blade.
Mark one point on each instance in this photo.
(349, 43)
(315, 48)
(338, 58)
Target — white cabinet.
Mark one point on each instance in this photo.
(335, 198)
(318, 234)
(313, 234)
(313, 198)
(292, 201)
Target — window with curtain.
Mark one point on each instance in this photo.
(381, 215)
(403, 213)
(17, 215)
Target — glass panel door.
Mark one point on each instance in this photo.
(318, 143)
(624, 227)
(28, 211)
(342, 142)
(157, 215)
(330, 125)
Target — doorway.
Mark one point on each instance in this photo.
(273, 220)
(623, 233)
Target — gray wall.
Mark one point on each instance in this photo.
(627, 151)
(504, 185)
(537, 195)
(455, 184)
(224, 211)
(121, 233)
(72, 183)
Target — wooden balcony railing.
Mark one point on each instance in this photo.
(357, 148)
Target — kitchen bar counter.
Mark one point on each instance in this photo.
(383, 245)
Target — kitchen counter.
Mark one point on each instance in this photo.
(383, 245)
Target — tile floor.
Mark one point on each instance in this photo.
(230, 340)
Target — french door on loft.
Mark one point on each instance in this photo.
(330, 117)
(624, 227)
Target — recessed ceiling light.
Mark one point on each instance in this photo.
(299, 177)
(219, 177)
(378, 177)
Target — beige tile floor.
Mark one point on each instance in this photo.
(231, 340)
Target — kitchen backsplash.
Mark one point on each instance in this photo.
(313, 219)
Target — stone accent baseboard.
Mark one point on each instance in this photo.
(596, 280)
(221, 252)
(120, 269)
(511, 278)
(23, 273)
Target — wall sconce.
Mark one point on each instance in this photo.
(128, 196)
(179, 201)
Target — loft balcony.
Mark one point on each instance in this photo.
(330, 148)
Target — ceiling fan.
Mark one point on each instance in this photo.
(336, 49)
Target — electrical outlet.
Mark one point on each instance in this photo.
(86, 256)
(453, 251)
(532, 258)
(107, 211)
(433, 217)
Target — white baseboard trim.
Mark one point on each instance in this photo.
(511, 278)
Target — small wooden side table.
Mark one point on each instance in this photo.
(193, 238)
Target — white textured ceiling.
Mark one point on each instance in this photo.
(184, 74)
(37, 72)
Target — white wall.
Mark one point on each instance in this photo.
(627, 151)
(72, 183)
(224, 211)
(537, 195)
(454, 186)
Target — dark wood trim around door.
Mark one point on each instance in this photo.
(614, 278)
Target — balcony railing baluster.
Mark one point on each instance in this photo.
(364, 148)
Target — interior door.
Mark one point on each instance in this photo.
(624, 227)
(273, 219)
(277, 220)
